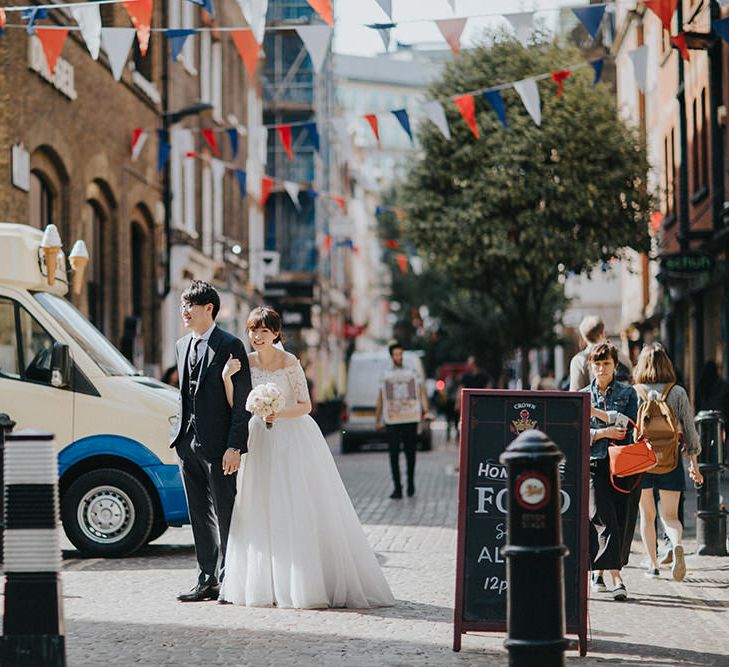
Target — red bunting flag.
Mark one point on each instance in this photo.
(656, 221)
(140, 12)
(355, 250)
(139, 138)
(284, 132)
(2, 19)
(192, 154)
(402, 262)
(391, 243)
(467, 107)
(559, 79)
(327, 244)
(663, 9)
(679, 41)
(248, 49)
(209, 136)
(324, 9)
(340, 202)
(267, 184)
(52, 41)
(374, 124)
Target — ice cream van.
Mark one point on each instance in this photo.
(118, 479)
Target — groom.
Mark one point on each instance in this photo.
(209, 435)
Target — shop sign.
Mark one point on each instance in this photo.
(63, 74)
(686, 263)
(20, 161)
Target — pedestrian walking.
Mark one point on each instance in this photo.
(401, 405)
(655, 380)
(592, 331)
(209, 435)
(612, 513)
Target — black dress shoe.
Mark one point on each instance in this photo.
(396, 494)
(411, 490)
(207, 591)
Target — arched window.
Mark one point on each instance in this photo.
(49, 192)
(41, 200)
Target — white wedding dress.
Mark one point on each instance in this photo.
(295, 539)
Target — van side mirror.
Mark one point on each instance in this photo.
(60, 365)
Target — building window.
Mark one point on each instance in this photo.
(704, 171)
(182, 176)
(667, 177)
(207, 210)
(42, 199)
(95, 274)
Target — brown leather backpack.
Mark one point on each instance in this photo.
(657, 422)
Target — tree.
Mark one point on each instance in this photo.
(509, 213)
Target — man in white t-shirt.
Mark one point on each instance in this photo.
(401, 405)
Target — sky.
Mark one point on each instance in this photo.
(351, 35)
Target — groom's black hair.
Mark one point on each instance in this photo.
(201, 293)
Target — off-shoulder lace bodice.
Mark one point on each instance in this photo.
(290, 380)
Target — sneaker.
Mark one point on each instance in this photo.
(667, 557)
(598, 584)
(620, 593)
(396, 494)
(653, 573)
(678, 569)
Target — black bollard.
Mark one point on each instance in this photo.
(33, 619)
(6, 425)
(534, 553)
(710, 519)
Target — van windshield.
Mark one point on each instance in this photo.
(93, 342)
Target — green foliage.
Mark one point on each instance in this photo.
(507, 214)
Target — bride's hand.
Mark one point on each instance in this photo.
(270, 417)
(232, 366)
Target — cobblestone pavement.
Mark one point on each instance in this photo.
(124, 612)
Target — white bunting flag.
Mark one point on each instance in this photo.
(384, 34)
(386, 7)
(254, 12)
(139, 145)
(89, 21)
(341, 129)
(293, 190)
(529, 93)
(436, 113)
(452, 29)
(116, 43)
(639, 57)
(452, 3)
(316, 40)
(218, 169)
(523, 24)
(259, 137)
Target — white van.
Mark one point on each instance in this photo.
(119, 483)
(364, 372)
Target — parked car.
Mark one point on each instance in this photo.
(363, 383)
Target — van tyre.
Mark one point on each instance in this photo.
(107, 513)
(159, 528)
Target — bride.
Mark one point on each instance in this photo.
(295, 539)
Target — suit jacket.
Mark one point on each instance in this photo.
(217, 425)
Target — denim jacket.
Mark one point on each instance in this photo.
(618, 397)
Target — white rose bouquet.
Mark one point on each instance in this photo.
(265, 399)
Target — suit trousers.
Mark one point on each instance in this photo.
(210, 498)
(407, 434)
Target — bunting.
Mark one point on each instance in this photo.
(207, 5)
(664, 10)
(52, 41)
(559, 79)
(402, 262)
(177, 38)
(371, 118)
(324, 9)
(240, 176)
(383, 30)
(467, 108)
(284, 132)
(117, 42)
(248, 49)
(209, 136)
(436, 113)
(232, 133)
(340, 202)
(163, 145)
(452, 29)
(386, 6)
(88, 18)
(721, 28)
(590, 17)
(267, 184)
(404, 120)
(33, 15)
(316, 40)
(529, 93)
(679, 41)
(254, 12)
(493, 97)
(327, 244)
(293, 189)
(2, 20)
(313, 133)
(598, 66)
(140, 12)
(523, 25)
(139, 138)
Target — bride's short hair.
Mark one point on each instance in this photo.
(265, 317)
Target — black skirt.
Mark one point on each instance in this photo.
(612, 518)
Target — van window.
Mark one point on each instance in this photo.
(8, 341)
(33, 355)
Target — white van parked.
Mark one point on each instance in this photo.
(364, 373)
(119, 483)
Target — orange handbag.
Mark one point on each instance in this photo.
(633, 459)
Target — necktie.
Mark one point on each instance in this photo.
(193, 352)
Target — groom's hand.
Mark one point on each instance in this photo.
(231, 461)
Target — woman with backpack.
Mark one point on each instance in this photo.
(665, 417)
(612, 513)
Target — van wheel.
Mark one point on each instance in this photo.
(107, 513)
(159, 527)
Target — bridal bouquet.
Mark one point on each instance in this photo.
(265, 399)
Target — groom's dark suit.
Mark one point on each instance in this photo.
(206, 426)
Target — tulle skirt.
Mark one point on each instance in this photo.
(295, 539)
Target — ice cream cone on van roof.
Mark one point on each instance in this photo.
(78, 259)
(51, 246)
